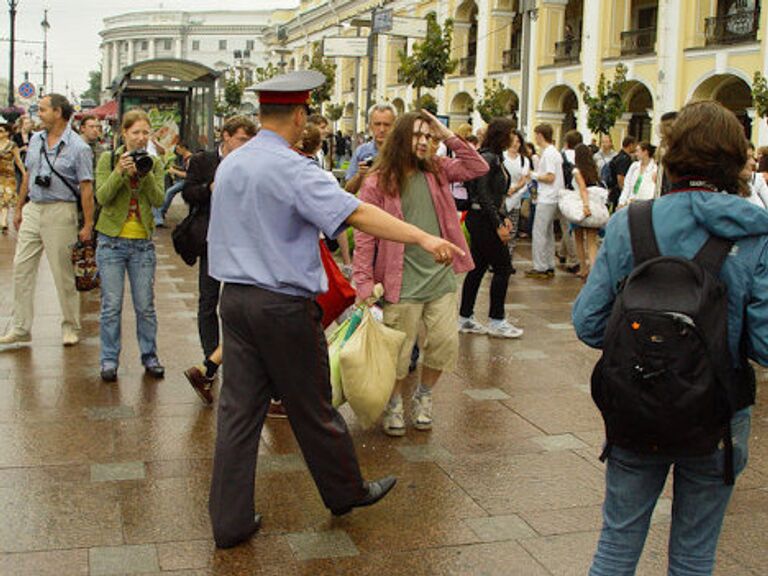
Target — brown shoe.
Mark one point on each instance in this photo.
(201, 384)
(276, 410)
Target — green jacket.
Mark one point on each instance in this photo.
(113, 193)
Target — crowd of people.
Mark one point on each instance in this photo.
(428, 205)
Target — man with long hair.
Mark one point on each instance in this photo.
(412, 184)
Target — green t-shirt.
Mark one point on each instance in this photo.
(423, 278)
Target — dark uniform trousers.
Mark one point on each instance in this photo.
(274, 346)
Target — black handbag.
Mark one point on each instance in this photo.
(189, 236)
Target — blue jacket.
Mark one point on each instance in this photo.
(682, 223)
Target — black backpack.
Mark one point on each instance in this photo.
(567, 171)
(665, 381)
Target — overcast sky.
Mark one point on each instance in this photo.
(73, 39)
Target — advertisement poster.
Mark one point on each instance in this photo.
(165, 116)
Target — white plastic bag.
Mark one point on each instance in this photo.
(572, 208)
(368, 368)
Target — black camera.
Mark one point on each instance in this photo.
(43, 180)
(143, 161)
(369, 161)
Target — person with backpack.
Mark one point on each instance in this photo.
(677, 331)
(489, 231)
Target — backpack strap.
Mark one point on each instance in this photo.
(644, 246)
(713, 254)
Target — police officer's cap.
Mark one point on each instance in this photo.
(288, 89)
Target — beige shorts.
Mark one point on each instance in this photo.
(439, 317)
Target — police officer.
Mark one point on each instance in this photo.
(263, 246)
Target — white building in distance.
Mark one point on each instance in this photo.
(222, 40)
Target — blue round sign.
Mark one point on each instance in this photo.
(26, 90)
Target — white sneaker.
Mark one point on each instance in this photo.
(504, 329)
(393, 422)
(15, 338)
(421, 407)
(471, 326)
(70, 337)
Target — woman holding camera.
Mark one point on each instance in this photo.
(129, 183)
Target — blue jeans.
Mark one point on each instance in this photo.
(170, 194)
(700, 496)
(115, 257)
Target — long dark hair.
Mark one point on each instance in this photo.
(498, 137)
(396, 159)
(586, 164)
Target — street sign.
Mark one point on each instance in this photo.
(382, 21)
(26, 90)
(408, 27)
(345, 47)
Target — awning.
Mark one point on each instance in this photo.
(107, 111)
(174, 68)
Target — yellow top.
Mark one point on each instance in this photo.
(133, 228)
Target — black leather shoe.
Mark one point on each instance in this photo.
(240, 539)
(376, 491)
(109, 374)
(154, 368)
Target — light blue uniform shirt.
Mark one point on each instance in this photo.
(267, 210)
(71, 157)
(363, 152)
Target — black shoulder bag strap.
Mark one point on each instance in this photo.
(66, 182)
(644, 246)
(711, 257)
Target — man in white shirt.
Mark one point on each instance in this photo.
(550, 179)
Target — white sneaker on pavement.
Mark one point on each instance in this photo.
(471, 326)
(393, 422)
(69, 337)
(504, 329)
(15, 338)
(421, 407)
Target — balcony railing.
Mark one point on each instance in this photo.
(511, 59)
(567, 51)
(641, 41)
(467, 66)
(734, 28)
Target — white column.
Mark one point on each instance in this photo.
(131, 54)
(382, 52)
(177, 47)
(409, 92)
(151, 48)
(481, 61)
(761, 124)
(115, 59)
(590, 55)
(668, 55)
(533, 95)
(106, 73)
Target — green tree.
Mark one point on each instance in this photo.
(606, 105)
(263, 73)
(760, 95)
(326, 67)
(94, 86)
(497, 101)
(425, 102)
(233, 93)
(431, 59)
(334, 112)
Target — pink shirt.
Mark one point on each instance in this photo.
(388, 266)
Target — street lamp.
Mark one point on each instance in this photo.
(45, 26)
(12, 8)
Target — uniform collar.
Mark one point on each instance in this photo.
(272, 137)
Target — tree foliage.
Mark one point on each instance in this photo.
(328, 69)
(760, 95)
(606, 105)
(334, 112)
(263, 73)
(431, 59)
(94, 86)
(497, 101)
(426, 102)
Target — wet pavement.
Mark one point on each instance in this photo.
(113, 478)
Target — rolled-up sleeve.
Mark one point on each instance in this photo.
(84, 164)
(322, 202)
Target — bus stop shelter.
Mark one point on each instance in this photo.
(177, 94)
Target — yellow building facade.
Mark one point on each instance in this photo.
(675, 51)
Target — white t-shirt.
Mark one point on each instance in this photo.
(551, 163)
(758, 190)
(517, 169)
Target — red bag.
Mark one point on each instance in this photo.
(340, 295)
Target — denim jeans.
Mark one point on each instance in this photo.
(700, 496)
(115, 257)
(170, 194)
